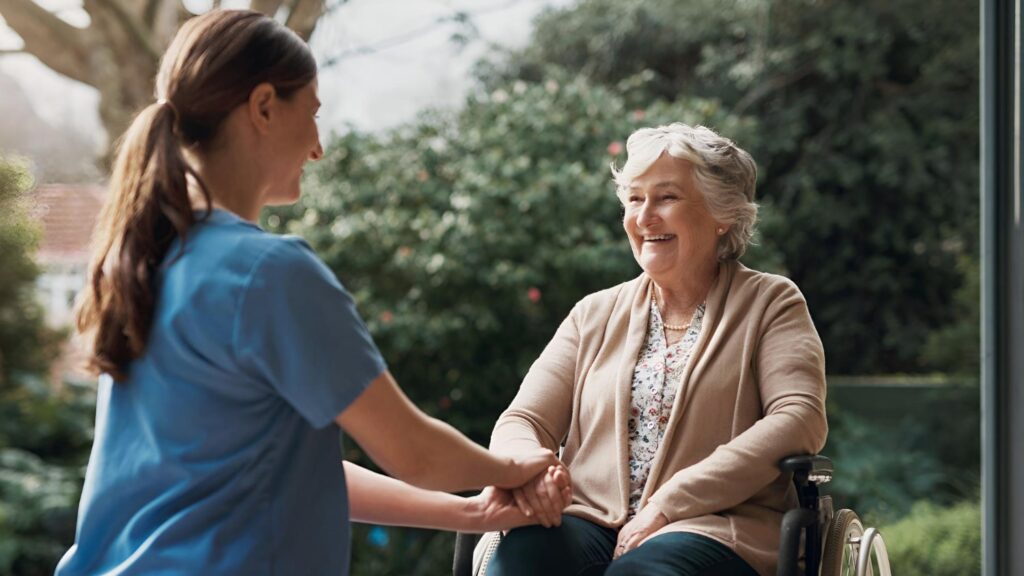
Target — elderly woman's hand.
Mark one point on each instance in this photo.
(545, 496)
(647, 522)
(498, 510)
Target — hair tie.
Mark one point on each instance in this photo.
(169, 104)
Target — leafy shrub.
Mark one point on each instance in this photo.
(38, 502)
(936, 541)
(26, 343)
(44, 434)
(884, 466)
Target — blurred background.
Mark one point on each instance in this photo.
(465, 200)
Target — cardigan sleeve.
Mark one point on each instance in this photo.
(789, 365)
(541, 411)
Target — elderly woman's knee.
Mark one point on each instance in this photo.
(649, 558)
(681, 554)
(636, 562)
(525, 549)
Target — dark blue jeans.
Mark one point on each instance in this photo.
(581, 548)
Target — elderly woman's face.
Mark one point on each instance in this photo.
(668, 224)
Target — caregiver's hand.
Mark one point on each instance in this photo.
(495, 509)
(525, 466)
(545, 496)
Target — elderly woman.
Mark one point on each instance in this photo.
(674, 395)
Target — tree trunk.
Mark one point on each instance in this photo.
(119, 52)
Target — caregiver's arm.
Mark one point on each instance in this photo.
(429, 453)
(378, 499)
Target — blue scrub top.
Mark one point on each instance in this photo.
(219, 453)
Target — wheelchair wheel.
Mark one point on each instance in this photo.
(842, 545)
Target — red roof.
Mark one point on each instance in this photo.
(68, 213)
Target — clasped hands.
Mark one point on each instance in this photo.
(538, 500)
(541, 499)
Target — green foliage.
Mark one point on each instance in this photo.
(936, 541)
(38, 502)
(44, 435)
(44, 445)
(867, 142)
(884, 464)
(26, 344)
(954, 348)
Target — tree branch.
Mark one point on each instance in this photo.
(134, 27)
(304, 15)
(163, 18)
(53, 41)
(771, 85)
(460, 17)
(149, 12)
(268, 7)
(183, 12)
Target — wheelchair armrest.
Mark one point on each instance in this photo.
(808, 468)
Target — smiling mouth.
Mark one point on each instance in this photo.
(659, 238)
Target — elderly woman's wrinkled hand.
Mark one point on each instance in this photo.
(545, 496)
(647, 522)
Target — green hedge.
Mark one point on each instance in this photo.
(936, 541)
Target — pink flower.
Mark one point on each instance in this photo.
(615, 148)
(639, 115)
(386, 317)
(533, 294)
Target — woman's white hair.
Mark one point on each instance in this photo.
(725, 174)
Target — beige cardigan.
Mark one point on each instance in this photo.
(752, 393)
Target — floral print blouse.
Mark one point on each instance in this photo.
(656, 380)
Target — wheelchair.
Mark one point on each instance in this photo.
(832, 543)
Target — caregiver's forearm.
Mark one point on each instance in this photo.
(378, 499)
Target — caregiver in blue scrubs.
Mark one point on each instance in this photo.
(228, 358)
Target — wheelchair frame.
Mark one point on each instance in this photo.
(836, 543)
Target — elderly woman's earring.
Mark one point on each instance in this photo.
(721, 231)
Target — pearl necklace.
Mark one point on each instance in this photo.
(676, 327)
(672, 327)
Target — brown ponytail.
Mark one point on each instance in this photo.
(211, 67)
